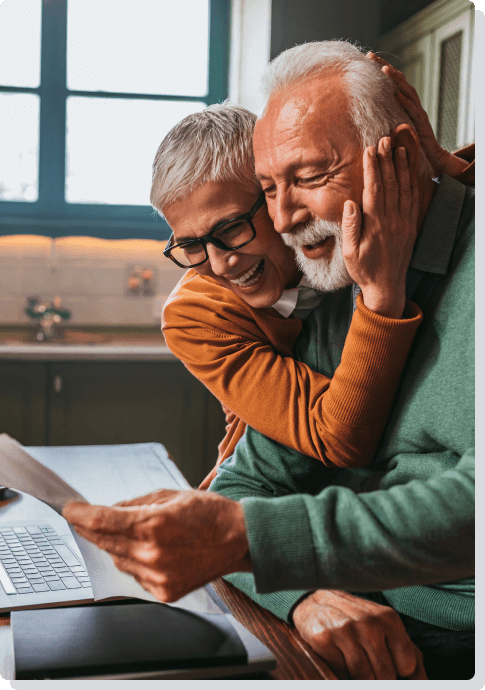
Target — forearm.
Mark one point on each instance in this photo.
(350, 417)
(338, 422)
(418, 533)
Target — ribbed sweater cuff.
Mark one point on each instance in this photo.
(281, 603)
(435, 606)
(280, 543)
(380, 347)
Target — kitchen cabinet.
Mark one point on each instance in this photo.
(93, 403)
(23, 401)
(434, 50)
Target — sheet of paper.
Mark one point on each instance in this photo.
(20, 470)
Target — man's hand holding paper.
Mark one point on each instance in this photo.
(172, 542)
(21, 471)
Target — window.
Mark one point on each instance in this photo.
(88, 89)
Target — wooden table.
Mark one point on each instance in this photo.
(295, 658)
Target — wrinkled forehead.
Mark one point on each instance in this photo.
(304, 112)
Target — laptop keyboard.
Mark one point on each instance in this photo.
(36, 559)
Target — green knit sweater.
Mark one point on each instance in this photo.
(405, 524)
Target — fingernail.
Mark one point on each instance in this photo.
(402, 152)
(371, 152)
(349, 208)
(386, 143)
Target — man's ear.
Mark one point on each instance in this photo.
(405, 135)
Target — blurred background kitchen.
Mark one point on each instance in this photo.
(88, 89)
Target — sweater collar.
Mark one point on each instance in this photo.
(434, 245)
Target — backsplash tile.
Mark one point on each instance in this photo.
(89, 274)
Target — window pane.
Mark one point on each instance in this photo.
(20, 43)
(19, 144)
(111, 144)
(147, 46)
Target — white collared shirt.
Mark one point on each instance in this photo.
(298, 301)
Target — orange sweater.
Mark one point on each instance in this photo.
(244, 357)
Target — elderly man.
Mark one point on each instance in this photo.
(401, 528)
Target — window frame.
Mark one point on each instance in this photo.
(51, 215)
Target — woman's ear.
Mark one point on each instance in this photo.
(405, 135)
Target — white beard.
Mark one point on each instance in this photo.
(322, 274)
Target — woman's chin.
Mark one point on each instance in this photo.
(262, 299)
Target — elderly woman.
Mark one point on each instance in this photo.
(235, 315)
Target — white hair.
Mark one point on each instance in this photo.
(213, 145)
(373, 107)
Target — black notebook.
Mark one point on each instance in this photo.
(128, 638)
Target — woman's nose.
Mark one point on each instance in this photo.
(221, 261)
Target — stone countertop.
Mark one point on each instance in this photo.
(86, 345)
(113, 351)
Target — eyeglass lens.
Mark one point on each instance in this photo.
(231, 235)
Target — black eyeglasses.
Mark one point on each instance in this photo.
(230, 235)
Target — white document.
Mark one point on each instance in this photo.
(20, 470)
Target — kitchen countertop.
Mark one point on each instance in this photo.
(86, 345)
(50, 352)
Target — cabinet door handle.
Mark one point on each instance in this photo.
(57, 383)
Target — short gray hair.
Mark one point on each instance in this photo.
(213, 145)
(373, 106)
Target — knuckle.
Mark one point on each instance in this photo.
(390, 617)
(161, 580)
(375, 188)
(347, 252)
(391, 186)
(149, 554)
(348, 225)
(406, 192)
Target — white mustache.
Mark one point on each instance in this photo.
(312, 232)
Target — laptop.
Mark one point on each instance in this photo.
(40, 568)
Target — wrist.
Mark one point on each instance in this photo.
(239, 540)
(391, 308)
(299, 612)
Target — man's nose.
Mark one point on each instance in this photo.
(220, 260)
(286, 211)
